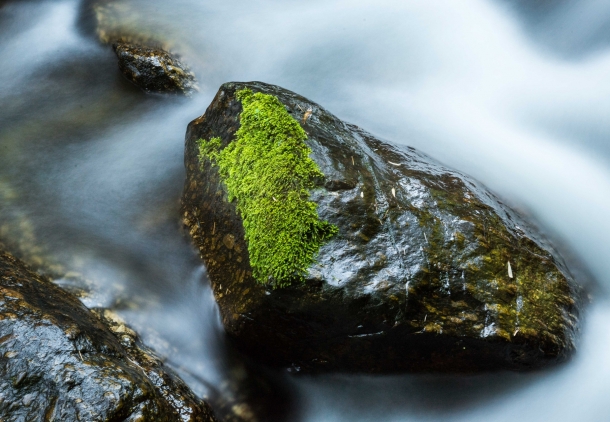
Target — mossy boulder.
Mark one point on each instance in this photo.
(427, 270)
(62, 362)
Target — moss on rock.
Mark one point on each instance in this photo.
(267, 170)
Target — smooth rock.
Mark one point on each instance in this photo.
(417, 279)
(61, 362)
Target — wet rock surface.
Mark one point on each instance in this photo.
(154, 69)
(62, 362)
(146, 52)
(417, 279)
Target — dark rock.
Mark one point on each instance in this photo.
(142, 49)
(61, 362)
(153, 69)
(417, 278)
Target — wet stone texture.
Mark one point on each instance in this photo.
(59, 361)
(417, 278)
(153, 69)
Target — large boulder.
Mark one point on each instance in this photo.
(428, 271)
(61, 362)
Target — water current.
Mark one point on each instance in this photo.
(514, 93)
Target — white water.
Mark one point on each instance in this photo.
(517, 98)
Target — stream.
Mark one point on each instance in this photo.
(512, 92)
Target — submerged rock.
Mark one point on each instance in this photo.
(429, 271)
(111, 21)
(61, 362)
(154, 69)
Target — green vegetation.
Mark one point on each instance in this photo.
(267, 170)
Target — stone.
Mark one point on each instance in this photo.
(147, 53)
(59, 361)
(429, 271)
(154, 69)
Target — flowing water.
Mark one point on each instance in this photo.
(515, 93)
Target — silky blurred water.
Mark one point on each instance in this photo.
(514, 93)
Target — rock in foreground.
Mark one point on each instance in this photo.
(60, 362)
(428, 272)
(154, 69)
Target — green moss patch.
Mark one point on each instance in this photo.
(268, 172)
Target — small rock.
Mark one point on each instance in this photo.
(154, 69)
